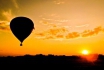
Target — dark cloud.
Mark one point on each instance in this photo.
(15, 3)
(4, 24)
(5, 6)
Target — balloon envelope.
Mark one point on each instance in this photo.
(21, 27)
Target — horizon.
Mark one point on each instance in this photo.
(62, 27)
(51, 55)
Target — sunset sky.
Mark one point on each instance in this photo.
(62, 27)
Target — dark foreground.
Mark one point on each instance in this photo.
(51, 61)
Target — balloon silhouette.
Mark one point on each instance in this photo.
(21, 27)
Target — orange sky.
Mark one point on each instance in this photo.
(62, 27)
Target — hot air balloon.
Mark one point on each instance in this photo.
(21, 27)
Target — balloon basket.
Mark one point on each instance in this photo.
(21, 44)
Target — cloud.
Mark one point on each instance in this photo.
(57, 33)
(15, 3)
(60, 36)
(98, 29)
(62, 33)
(8, 15)
(4, 25)
(95, 31)
(58, 2)
(47, 19)
(72, 35)
(7, 7)
(40, 34)
(87, 33)
(52, 33)
(57, 30)
(85, 25)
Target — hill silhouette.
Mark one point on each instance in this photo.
(74, 62)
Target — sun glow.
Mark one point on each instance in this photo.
(89, 56)
(85, 52)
